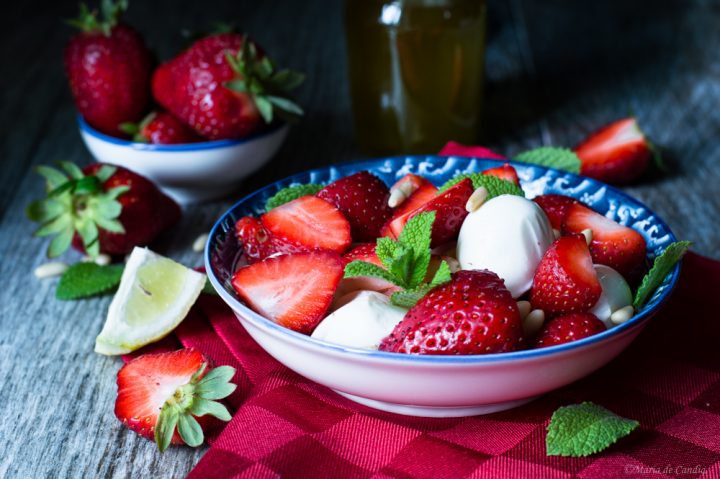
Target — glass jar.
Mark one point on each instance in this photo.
(416, 72)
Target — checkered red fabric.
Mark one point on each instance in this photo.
(285, 425)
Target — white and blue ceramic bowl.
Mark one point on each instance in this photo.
(442, 386)
(192, 172)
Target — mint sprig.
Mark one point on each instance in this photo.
(661, 267)
(551, 157)
(584, 429)
(405, 262)
(291, 193)
(494, 185)
(83, 280)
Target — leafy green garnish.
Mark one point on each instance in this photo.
(551, 157)
(583, 429)
(495, 186)
(661, 267)
(291, 193)
(405, 261)
(83, 280)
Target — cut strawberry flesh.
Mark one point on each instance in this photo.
(617, 153)
(145, 383)
(363, 252)
(565, 280)
(613, 244)
(449, 208)
(308, 223)
(504, 172)
(555, 207)
(294, 291)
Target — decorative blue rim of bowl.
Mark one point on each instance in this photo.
(389, 166)
(202, 145)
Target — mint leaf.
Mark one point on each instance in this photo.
(417, 235)
(551, 157)
(82, 280)
(363, 268)
(291, 193)
(442, 275)
(409, 297)
(584, 429)
(495, 186)
(406, 261)
(208, 288)
(661, 267)
(385, 250)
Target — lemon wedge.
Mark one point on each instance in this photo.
(154, 296)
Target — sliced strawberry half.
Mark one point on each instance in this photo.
(617, 153)
(307, 223)
(568, 328)
(159, 392)
(293, 290)
(256, 242)
(363, 199)
(504, 172)
(555, 207)
(408, 194)
(449, 208)
(613, 244)
(565, 280)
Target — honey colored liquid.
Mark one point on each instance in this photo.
(416, 72)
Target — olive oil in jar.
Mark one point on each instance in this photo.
(416, 72)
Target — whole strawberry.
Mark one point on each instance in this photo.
(224, 87)
(363, 199)
(567, 328)
(167, 397)
(108, 67)
(100, 209)
(160, 128)
(472, 314)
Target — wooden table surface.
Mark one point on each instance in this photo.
(555, 71)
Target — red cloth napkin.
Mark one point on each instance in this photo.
(285, 425)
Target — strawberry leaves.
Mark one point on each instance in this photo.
(195, 399)
(406, 261)
(267, 86)
(76, 203)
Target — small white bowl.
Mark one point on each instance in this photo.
(193, 172)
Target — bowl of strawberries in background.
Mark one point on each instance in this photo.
(196, 124)
(429, 380)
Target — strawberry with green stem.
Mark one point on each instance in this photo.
(225, 87)
(160, 128)
(108, 67)
(100, 209)
(166, 397)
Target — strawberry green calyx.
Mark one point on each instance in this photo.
(135, 130)
(267, 86)
(194, 399)
(76, 203)
(88, 20)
